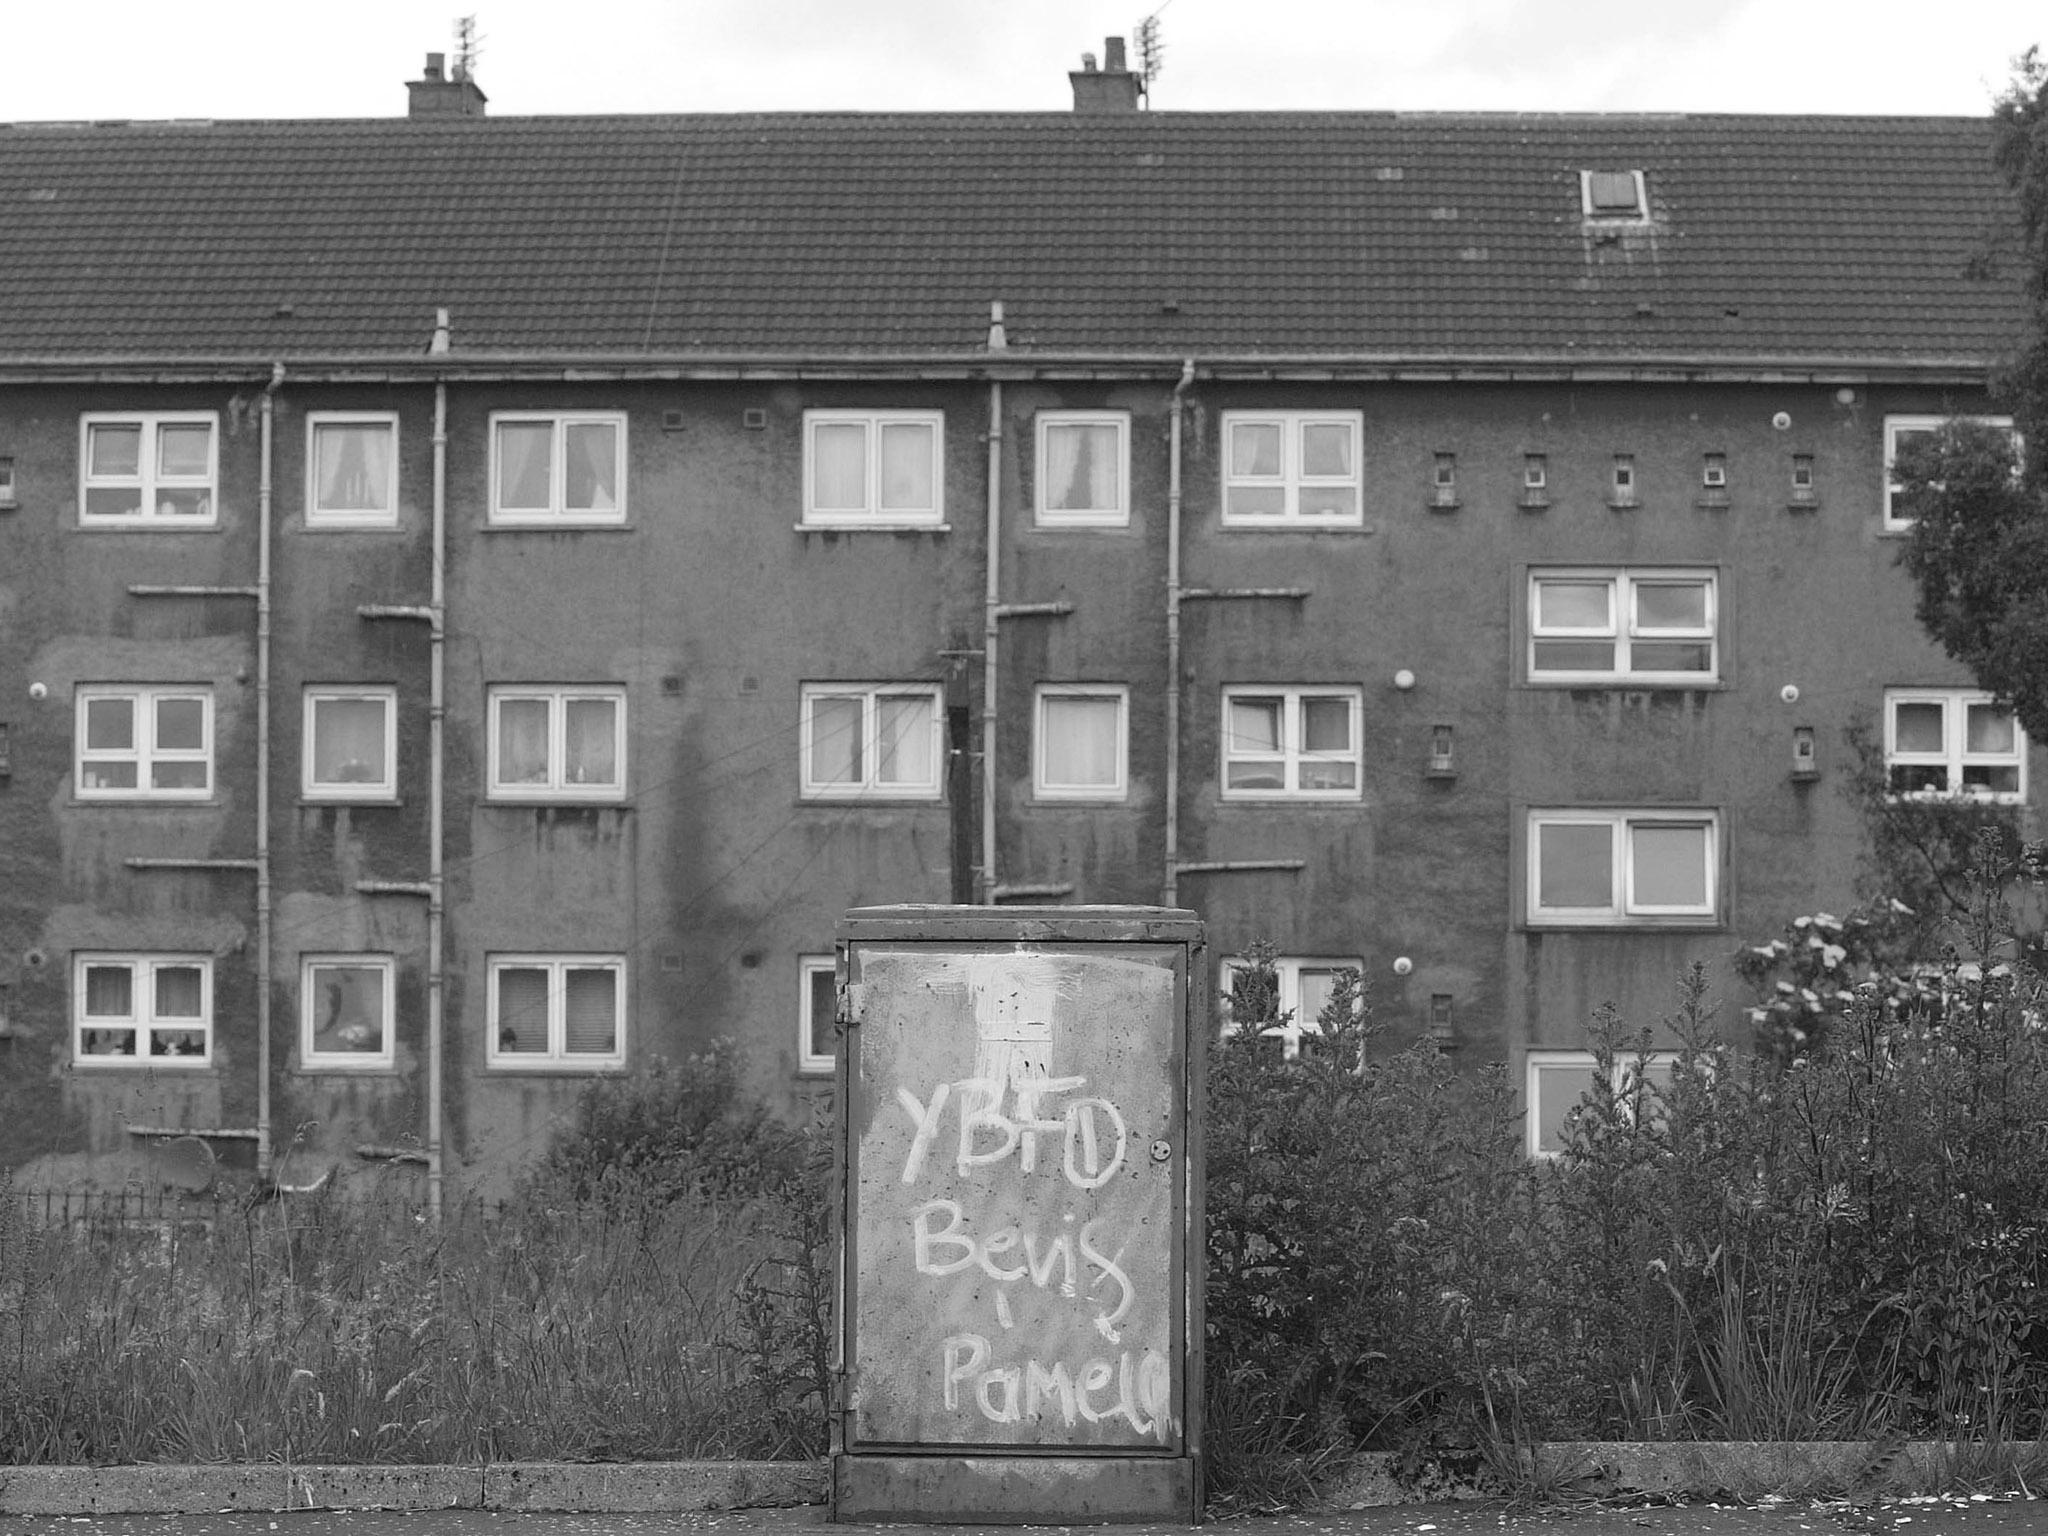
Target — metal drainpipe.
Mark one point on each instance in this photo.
(266, 411)
(1170, 888)
(437, 708)
(990, 624)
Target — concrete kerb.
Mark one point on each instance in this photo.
(1596, 1468)
(589, 1488)
(1619, 1469)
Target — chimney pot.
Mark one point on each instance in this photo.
(434, 94)
(1114, 89)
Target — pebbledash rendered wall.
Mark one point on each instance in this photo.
(711, 608)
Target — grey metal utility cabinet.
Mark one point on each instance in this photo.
(1020, 1314)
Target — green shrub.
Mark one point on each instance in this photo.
(685, 1127)
(1364, 1218)
(1842, 1233)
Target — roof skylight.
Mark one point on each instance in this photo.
(1613, 195)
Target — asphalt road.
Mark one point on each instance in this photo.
(1948, 1515)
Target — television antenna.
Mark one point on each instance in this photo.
(1151, 51)
(468, 45)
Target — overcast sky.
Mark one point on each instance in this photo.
(349, 58)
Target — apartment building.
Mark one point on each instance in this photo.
(480, 596)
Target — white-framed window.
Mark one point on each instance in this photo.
(1940, 742)
(1291, 743)
(557, 1011)
(1292, 469)
(351, 469)
(874, 469)
(558, 743)
(1081, 741)
(1618, 868)
(1613, 195)
(129, 1008)
(350, 750)
(1306, 983)
(1084, 469)
(558, 467)
(346, 1011)
(144, 743)
(817, 1016)
(1639, 626)
(149, 468)
(878, 741)
(1901, 430)
(1556, 1082)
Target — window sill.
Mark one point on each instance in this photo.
(892, 801)
(556, 803)
(1626, 684)
(562, 525)
(1956, 797)
(150, 525)
(1053, 800)
(1296, 528)
(555, 1068)
(874, 527)
(1081, 525)
(320, 802)
(139, 1064)
(337, 1069)
(307, 526)
(150, 802)
(1334, 801)
(1628, 925)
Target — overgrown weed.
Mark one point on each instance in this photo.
(592, 1316)
(1838, 1235)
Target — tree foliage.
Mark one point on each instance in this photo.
(1979, 547)
(2020, 150)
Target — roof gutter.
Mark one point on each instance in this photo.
(1419, 367)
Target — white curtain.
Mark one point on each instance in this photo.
(903, 741)
(522, 741)
(1080, 467)
(591, 457)
(906, 467)
(839, 466)
(1081, 740)
(591, 741)
(525, 464)
(835, 739)
(352, 467)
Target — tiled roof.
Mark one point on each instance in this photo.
(1156, 233)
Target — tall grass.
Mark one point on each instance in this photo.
(1843, 1239)
(563, 1325)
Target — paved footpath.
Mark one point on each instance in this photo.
(1950, 1515)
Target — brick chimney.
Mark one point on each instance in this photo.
(1112, 88)
(435, 94)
